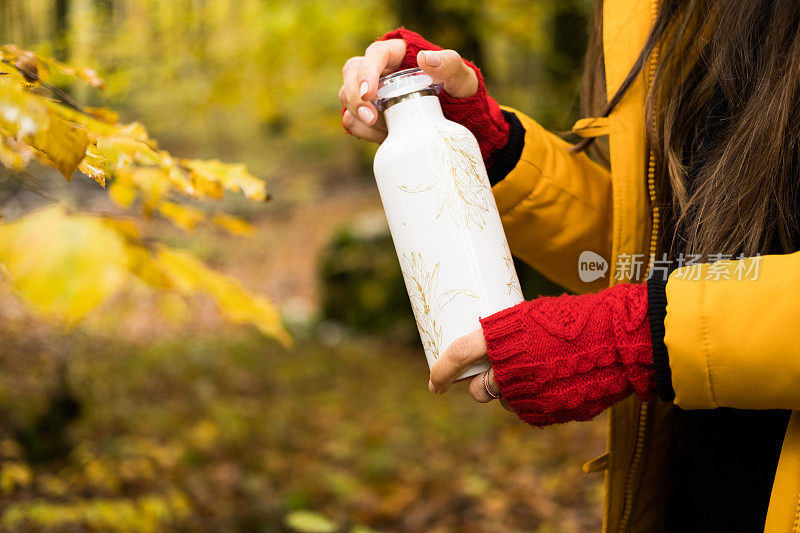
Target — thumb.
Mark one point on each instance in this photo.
(447, 67)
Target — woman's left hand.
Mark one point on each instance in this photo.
(460, 355)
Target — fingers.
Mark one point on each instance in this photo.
(357, 128)
(352, 92)
(506, 405)
(460, 355)
(380, 57)
(446, 66)
(477, 387)
(360, 76)
(478, 390)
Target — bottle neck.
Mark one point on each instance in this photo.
(413, 107)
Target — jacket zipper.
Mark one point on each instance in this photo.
(638, 450)
(796, 517)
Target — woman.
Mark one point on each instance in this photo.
(697, 355)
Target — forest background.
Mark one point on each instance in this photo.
(154, 411)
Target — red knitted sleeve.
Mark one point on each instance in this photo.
(566, 358)
(479, 113)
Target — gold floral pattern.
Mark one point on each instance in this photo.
(427, 301)
(459, 178)
(513, 280)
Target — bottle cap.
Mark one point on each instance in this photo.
(401, 83)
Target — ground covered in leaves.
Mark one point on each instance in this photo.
(240, 435)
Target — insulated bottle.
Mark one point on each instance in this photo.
(442, 215)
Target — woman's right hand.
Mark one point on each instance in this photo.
(360, 76)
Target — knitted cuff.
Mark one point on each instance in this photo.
(570, 357)
(479, 113)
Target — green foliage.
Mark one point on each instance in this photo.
(238, 72)
(245, 74)
(148, 513)
(361, 282)
(535, 56)
(232, 434)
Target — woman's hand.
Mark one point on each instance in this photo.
(464, 98)
(360, 82)
(460, 355)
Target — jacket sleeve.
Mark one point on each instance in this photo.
(732, 333)
(555, 204)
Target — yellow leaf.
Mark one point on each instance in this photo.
(189, 274)
(122, 192)
(125, 227)
(97, 127)
(63, 145)
(180, 180)
(234, 225)
(144, 267)
(204, 435)
(140, 261)
(27, 63)
(14, 475)
(95, 144)
(9, 158)
(121, 151)
(183, 216)
(62, 265)
(85, 74)
(94, 165)
(135, 130)
(231, 177)
(24, 115)
(150, 182)
(103, 114)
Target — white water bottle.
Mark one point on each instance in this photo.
(442, 215)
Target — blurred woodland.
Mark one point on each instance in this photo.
(168, 409)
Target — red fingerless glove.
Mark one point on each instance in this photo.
(479, 113)
(566, 358)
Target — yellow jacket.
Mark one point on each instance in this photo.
(732, 343)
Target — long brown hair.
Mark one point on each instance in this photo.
(739, 193)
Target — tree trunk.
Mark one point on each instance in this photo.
(61, 29)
